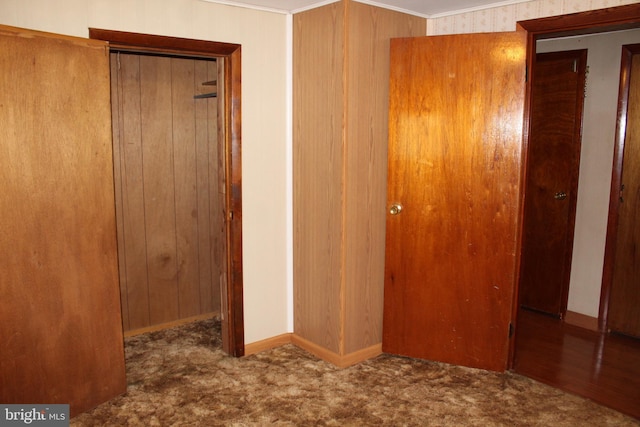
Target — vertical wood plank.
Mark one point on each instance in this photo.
(217, 182)
(219, 236)
(158, 175)
(133, 246)
(318, 97)
(186, 197)
(117, 185)
(205, 193)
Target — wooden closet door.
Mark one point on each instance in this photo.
(60, 324)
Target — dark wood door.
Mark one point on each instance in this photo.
(557, 98)
(455, 138)
(60, 324)
(624, 305)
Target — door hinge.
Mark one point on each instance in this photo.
(526, 74)
(511, 329)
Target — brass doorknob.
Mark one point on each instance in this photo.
(560, 195)
(395, 209)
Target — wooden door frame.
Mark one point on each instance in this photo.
(594, 21)
(232, 306)
(628, 52)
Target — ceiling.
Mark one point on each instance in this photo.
(426, 8)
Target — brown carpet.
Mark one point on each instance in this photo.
(180, 376)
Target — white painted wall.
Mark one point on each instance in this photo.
(596, 160)
(263, 36)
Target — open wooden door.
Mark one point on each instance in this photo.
(60, 324)
(455, 144)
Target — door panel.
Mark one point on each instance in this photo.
(557, 100)
(60, 328)
(455, 137)
(624, 305)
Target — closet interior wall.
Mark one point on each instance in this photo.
(169, 188)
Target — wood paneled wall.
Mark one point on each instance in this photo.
(169, 188)
(318, 157)
(341, 74)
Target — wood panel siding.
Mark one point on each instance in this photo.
(168, 200)
(318, 119)
(340, 79)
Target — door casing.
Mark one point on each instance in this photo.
(232, 293)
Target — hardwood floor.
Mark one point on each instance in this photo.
(602, 367)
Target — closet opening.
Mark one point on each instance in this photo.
(169, 189)
(177, 181)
